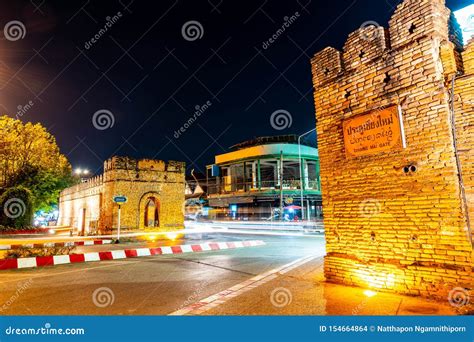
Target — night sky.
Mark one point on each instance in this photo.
(150, 78)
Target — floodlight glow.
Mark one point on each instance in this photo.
(370, 293)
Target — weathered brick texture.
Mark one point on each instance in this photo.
(139, 180)
(387, 229)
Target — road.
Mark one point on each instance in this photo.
(156, 285)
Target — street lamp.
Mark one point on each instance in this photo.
(82, 173)
(301, 172)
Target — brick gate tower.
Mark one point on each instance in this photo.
(395, 123)
(154, 190)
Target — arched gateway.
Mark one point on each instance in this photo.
(149, 210)
(154, 190)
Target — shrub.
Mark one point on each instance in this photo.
(16, 207)
(6, 230)
(25, 252)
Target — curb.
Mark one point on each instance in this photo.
(121, 254)
(57, 244)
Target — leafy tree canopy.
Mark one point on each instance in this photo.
(30, 157)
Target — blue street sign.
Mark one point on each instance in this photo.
(120, 199)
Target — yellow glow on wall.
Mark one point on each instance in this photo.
(375, 280)
(370, 293)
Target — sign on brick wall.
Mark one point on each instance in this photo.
(372, 133)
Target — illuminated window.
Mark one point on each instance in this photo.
(311, 175)
(269, 173)
(291, 174)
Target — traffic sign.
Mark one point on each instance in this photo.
(120, 199)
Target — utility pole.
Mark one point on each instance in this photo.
(281, 185)
(118, 224)
(302, 176)
(119, 200)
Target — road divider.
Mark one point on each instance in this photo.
(17, 263)
(56, 244)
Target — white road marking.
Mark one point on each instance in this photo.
(26, 262)
(120, 254)
(186, 248)
(61, 259)
(166, 250)
(236, 290)
(143, 252)
(93, 256)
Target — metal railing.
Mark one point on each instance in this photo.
(222, 187)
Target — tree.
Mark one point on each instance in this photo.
(30, 157)
(45, 185)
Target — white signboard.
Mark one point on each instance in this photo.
(465, 18)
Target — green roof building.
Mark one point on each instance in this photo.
(262, 177)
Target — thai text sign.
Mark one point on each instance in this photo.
(372, 133)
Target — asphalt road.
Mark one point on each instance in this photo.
(147, 285)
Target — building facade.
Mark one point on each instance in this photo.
(263, 177)
(398, 190)
(154, 190)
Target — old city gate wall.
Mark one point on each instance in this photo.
(396, 218)
(154, 189)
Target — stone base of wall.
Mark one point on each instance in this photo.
(435, 281)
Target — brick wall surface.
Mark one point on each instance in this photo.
(464, 115)
(387, 229)
(139, 180)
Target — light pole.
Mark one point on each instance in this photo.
(118, 224)
(119, 200)
(301, 171)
